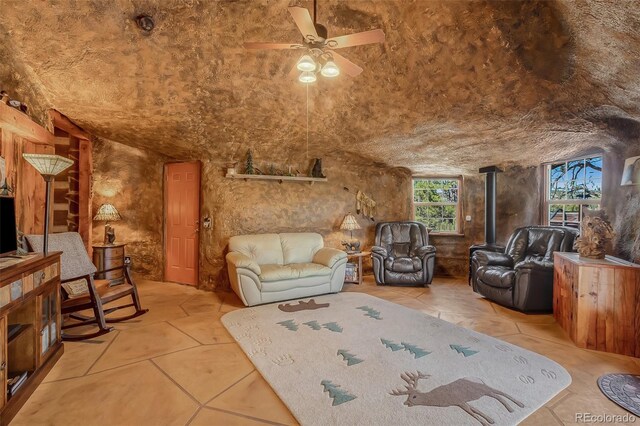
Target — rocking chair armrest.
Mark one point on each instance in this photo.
(115, 268)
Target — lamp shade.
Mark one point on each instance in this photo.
(349, 223)
(48, 164)
(631, 172)
(107, 213)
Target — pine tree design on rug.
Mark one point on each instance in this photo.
(463, 350)
(351, 359)
(414, 350)
(389, 344)
(458, 393)
(289, 324)
(370, 312)
(333, 326)
(314, 325)
(340, 396)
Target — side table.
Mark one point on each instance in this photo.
(108, 258)
(357, 279)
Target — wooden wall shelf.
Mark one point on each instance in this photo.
(280, 179)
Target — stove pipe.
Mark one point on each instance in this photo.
(490, 203)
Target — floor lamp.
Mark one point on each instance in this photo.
(49, 166)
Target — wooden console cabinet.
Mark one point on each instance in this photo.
(30, 323)
(597, 302)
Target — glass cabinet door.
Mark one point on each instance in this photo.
(48, 321)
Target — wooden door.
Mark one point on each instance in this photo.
(182, 212)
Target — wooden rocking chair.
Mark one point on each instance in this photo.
(76, 271)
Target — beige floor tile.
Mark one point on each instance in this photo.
(254, 397)
(142, 343)
(158, 312)
(485, 324)
(205, 371)
(203, 303)
(593, 403)
(519, 317)
(212, 417)
(78, 357)
(138, 394)
(542, 417)
(231, 303)
(205, 328)
(551, 332)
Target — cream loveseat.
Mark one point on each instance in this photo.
(265, 268)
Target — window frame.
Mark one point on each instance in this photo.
(458, 204)
(546, 184)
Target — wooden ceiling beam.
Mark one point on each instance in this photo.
(21, 124)
(63, 123)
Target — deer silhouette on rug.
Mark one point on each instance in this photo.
(302, 306)
(455, 394)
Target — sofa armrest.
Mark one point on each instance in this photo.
(381, 251)
(328, 256)
(490, 258)
(424, 251)
(240, 260)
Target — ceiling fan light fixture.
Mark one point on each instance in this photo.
(307, 77)
(306, 64)
(330, 70)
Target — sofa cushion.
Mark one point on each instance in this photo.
(496, 276)
(300, 247)
(293, 271)
(403, 264)
(264, 249)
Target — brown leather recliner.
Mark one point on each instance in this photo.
(522, 276)
(402, 254)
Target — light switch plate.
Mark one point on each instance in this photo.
(467, 218)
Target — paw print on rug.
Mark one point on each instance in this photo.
(474, 339)
(503, 348)
(527, 380)
(549, 374)
(257, 352)
(261, 341)
(283, 360)
(520, 359)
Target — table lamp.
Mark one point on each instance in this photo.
(349, 223)
(108, 213)
(49, 166)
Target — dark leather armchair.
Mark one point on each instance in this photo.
(521, 277)
(402, 254)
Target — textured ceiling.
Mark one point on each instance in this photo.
(456, 85)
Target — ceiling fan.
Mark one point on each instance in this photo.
(319, 51)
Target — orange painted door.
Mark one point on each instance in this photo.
(182, 211)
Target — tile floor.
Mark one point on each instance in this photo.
(177, 365)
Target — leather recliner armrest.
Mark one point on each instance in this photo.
(328, 256)
(240, 260)
(424, 251)
(490, 258)
(380, 251)
(535, 264)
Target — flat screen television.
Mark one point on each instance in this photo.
(8, 237)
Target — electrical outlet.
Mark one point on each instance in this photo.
(467, 218)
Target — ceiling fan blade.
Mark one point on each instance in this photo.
(346, 65)
(357, 39)
(304, 22)
(257, 45)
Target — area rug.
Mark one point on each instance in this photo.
(355, 359)
(623, 389)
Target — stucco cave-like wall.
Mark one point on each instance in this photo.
(131, 180)
(238, 207)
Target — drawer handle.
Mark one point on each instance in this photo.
(3, 366)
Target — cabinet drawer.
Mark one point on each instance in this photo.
(112, 253)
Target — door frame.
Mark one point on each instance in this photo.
(165, 177)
